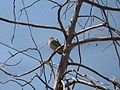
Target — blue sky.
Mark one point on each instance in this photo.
(105, 62)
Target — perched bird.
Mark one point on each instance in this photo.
(54, 44)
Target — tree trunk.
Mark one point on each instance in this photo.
(59, 84)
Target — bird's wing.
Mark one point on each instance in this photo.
(56, 43)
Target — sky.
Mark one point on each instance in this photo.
(93, 54)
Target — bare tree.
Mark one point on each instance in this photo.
(80, 22)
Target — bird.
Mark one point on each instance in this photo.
(54, 44)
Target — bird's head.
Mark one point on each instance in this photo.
(50, 39)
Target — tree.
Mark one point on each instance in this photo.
(79, 22)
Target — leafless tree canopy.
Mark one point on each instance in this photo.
(79, 22)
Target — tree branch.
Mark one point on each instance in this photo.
(59, 18)
(97, 73)
(29, 24)
(101, 6)
(73, 81)
(89, 28)
(75, 16)
(95, 39)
